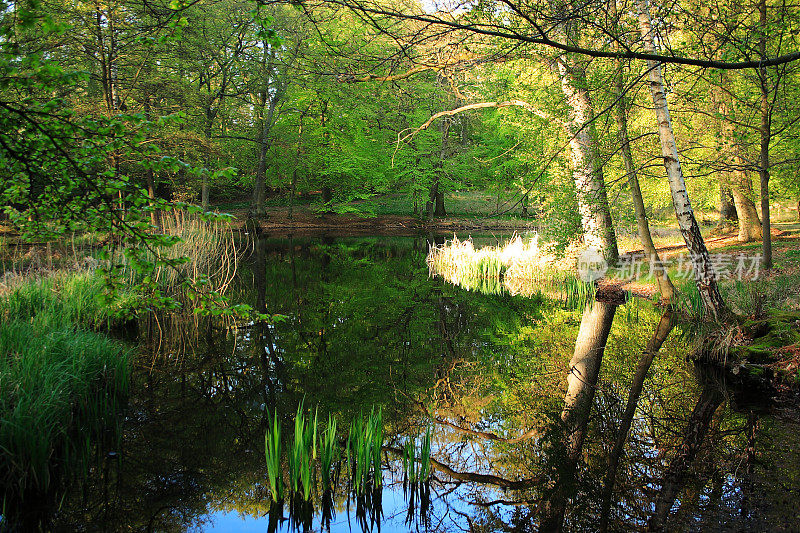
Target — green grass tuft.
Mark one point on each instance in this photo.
(62, 387)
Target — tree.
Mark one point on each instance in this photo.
(704, 273)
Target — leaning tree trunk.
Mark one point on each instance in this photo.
(704, 273)
(665, 286)
(587, 172)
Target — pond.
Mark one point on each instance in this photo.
(541, 417)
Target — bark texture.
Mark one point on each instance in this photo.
(587, 171)
(704, 273)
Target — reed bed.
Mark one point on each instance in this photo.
(204, 254)
(272, 450)
(417, 460)
(363, 451)
(316, 457)
(302, 453)
(518, 267)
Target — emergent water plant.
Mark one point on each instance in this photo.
(272, 450)
(364, 451)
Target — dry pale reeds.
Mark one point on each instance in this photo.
(212, 257)
(520, 266)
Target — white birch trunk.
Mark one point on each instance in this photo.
(587, 173)
(705, 276)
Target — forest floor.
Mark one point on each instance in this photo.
(307, 222)
(725, 250)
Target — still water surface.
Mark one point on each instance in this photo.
(520, 442)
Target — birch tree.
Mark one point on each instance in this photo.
(704, 273)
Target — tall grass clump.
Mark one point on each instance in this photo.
(417, 460)
(576, 293)
(302, 454)
(329, 454)
(62, 388)
(517, 267)
(205, 253)
(69, 299)
(690, 300)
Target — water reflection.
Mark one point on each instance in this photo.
(544, 418)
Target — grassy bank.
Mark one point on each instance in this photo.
(63, 384)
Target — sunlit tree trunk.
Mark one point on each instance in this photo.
(587, 170)
(742, 190)
(704, 273)
(665, 286)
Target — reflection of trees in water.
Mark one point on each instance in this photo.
(682, 449)
(518, 446)
(365, 326)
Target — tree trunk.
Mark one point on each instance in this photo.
(665, 286)
(260, 186)
(766, 133)
(270, 101)
(204, 187)
(293, 190)
(737, 180)
(587, 171)
(742, 189)
(524, 203)
(155, 214)
(327, 193)
(727, 209)
(204, 191)
(435, 203)
(704, 273)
